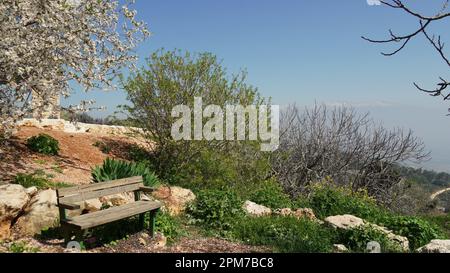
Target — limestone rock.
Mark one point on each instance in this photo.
(347, 222)
(160, 240)
(13, 198)
(117, 199)
(338, 248)
(344, 221)
(256, 210)
(436, 246)
(92, 205)
(41, 213)
(305, 213)
(175, 199)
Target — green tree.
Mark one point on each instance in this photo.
(173, 78)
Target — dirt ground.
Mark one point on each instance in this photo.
(138, 243)
(74, 162)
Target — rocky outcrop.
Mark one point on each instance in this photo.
(117, 199)
(13, 199)
(42, 212)
(344, 221)
(175, 199)
(436, 246)
(92, 205)
(299, 213)
(254, 209)
(347, 222)
(71, 127)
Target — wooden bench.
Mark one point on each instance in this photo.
(69, 197)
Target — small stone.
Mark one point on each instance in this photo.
(373, 247)
(31, 191)
(142, 241)
(339, 248)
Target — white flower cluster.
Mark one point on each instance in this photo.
(45, 45)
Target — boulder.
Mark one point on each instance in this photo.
(403, 242)
(13, 198)
(284, 212)
(344, 221)
(117, 199)
(254, 209)
(92, 205)
(41, 213)
(436, 246)
(305, 213)
(175, 199)
(299, 213)
(347, 222)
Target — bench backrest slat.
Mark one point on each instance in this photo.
(86, 192)
(98, 186)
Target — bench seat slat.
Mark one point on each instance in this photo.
(112, 214)
(98, 186)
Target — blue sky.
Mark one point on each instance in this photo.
(304, 51)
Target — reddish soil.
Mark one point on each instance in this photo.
(74, 162)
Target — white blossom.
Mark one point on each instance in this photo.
(46, 44)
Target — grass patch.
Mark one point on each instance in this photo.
(38, 181)
(285, 234)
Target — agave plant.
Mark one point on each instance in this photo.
(117, 169)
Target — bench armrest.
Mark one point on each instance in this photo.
(69, 206)
(147, 189)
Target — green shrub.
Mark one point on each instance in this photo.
(22, 247)
(285, 234)
(327, 199)
(138, 154)
(43, 144)
(173, 78)
(169, 226)
(116, 169)
(38, 181)
(442, 221)
(271, 195)
(418, 231)
(356, 239)
(217, 209)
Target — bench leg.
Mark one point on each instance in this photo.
(141, 221)
(152, 225)
(67, 234)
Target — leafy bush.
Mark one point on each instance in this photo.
(418, 231)
(285, 234)
(356, 239)
(116, 169)
(138, 154)
(22, 247)
(38, 181)
(169, 226)
(43, 144)
(173, 78)
(271, 195)
(217, 209)
(327, 199)
(442, 221)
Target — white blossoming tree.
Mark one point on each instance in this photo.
(49, 46)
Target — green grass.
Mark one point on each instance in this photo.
(38, 180)
(285, 234)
